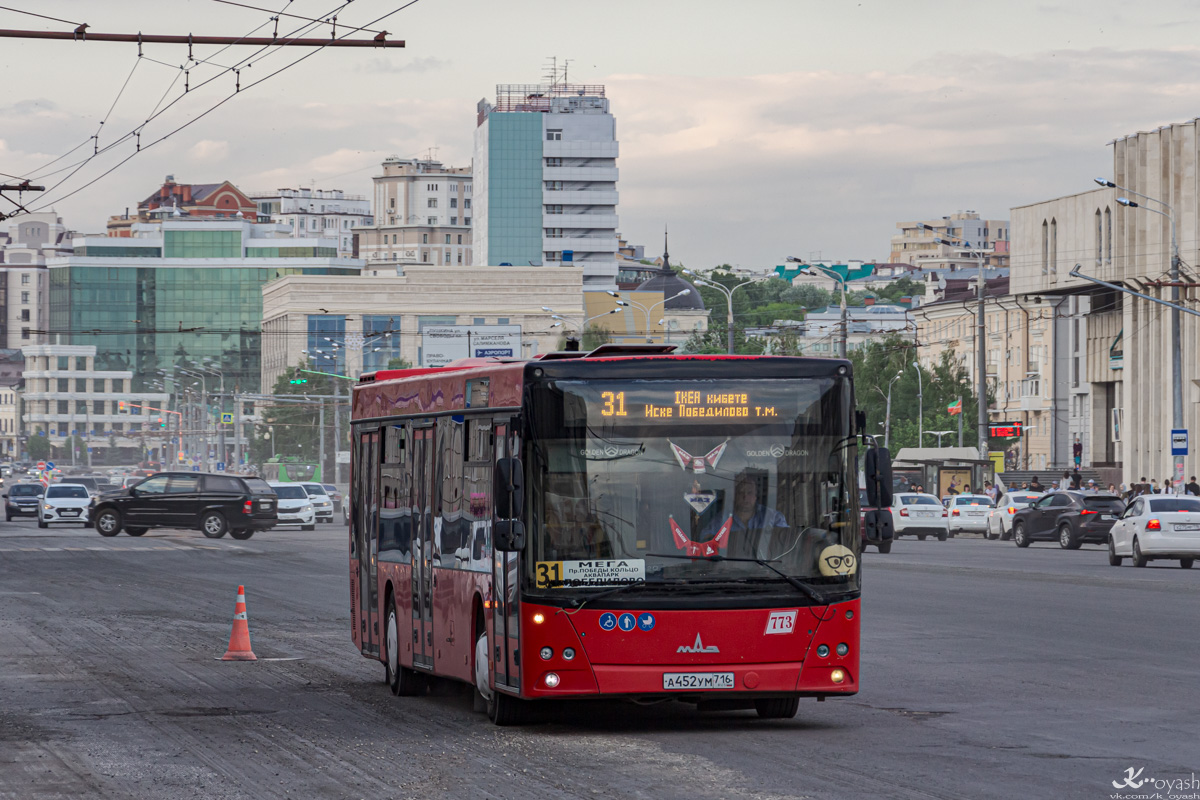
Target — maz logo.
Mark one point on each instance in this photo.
(698, 647)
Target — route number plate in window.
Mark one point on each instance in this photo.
(697, 680)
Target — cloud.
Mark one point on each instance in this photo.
(209, 151)
(385, 66)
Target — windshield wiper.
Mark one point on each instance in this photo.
(579, 603)
(798, 584)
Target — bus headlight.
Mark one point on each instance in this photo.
(551, 680)
(843, 648)
(823, 651)
(838, 676)
(569, 654)
(547, 653)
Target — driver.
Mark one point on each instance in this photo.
(575, 532)
(753, 520)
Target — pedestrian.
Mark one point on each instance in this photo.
(1035, 484)
(966, 488)
(1065, 483)
(1077, 451)
(990, 490)
(1112, 489)
(1076, 479)
(1154, 486)
(1192, 487)
(1024, 486)
(1091, 486)
(1168, 486)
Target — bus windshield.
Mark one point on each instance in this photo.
(698, 481)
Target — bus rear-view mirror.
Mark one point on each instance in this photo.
(509, 488)
(508, 535)
(877, 469)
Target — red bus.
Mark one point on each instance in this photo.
(624, 523)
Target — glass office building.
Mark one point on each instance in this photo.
(183, 291)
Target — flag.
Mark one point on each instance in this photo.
(955, 407)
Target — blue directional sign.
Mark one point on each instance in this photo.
(1179, 442)
(49, 465)
(89, 449)
(626, 622)
(646, 621)
(196, 468)
(608, 621)
(220, 466)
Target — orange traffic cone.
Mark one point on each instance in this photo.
(239, 637)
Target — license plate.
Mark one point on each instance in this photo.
(697, 680)
(74, 512)
(1187, 526)
(974, 513)
(925, 514)
(1107, 517)
(265, 505)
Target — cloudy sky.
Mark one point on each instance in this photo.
(755, 130)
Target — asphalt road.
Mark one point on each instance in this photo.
(988, 671)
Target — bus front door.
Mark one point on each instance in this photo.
(423, 544)
(506, 608)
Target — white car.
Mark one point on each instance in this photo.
(1156, 528)
(968, 513)
(999, 520)
(322, 502)
(294, 507)
(919, 515)
(65, 502)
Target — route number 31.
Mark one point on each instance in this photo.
(614, 404)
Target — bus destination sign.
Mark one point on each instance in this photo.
(687, 404)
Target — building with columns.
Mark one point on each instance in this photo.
(350, 325)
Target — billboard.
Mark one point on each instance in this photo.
(441, 344)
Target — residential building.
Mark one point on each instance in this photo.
(25, 244)
(918, 246)
(423, 215)
(12, 364)
(67, 394)
(217, 200)
(316, 213)
(1020, 342)
(180, 289)
(349, 325)
(546, 180)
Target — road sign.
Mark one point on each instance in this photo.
(89, 449)
(196, 468)
(1179, 442)
(226, 417)
(50, 464)
(220, 466)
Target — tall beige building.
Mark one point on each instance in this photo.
(422, 216)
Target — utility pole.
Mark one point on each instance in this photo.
(980, 370)
(321, 427)
(237, 430)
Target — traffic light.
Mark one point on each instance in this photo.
(122, 407)
(162, 423)
(298, 380)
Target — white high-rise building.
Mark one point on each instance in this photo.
(546, 180)
(316, 213)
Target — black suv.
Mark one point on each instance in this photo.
(21, 500)
(211, 503)
(1071, 517)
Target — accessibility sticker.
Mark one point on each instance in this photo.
(646, 621)
(608, 621)
(625, 622)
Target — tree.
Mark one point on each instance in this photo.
(398, 363)
(38, 447)
(294, 427)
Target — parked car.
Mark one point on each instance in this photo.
(1070, 517)
(322, 503)
(334, 495)
(92, 485)
(919, 515)
(882, 545)
(22, 499)
(65, 502)
(1157, 528)
(211, 503)
(968, 512)
(294, 506)
(999, 520)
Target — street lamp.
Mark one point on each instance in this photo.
(647, 309)
(939, 434)
(920, 407)
(887, 427)
(980, 341)
(837, 276)
(1176, 335)
(728, 299)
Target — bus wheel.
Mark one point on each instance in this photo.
(505, 709)
(777, 708)
(483, 689)
(402, 680)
